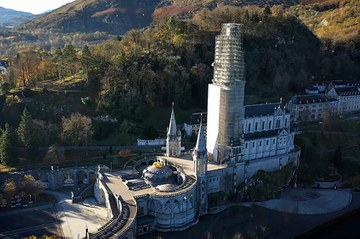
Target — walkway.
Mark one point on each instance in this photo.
(74, 218)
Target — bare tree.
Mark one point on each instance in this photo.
(77, 129)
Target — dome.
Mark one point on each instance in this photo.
(158, 174)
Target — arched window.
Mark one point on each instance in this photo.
(256, 126)
(270, 126)
(277, 124)
(263, 125)
(249, 127)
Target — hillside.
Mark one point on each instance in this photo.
(337, 20)
(9, 18)
(115, 17)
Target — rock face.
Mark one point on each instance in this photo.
(115, 17)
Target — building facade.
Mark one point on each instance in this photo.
(338, 97)
(169, 193)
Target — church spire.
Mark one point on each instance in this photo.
(173, 138)
(172, 125)
(200, 142)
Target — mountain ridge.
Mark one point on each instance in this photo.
(9, 17)
(114, 17)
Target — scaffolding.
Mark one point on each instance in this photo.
(229, 76)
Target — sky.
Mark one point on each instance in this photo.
(33, 6)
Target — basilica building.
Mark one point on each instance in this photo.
(170, 192)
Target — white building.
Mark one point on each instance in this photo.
(267, 131)
(151, 142)
(348, 98)
(305, 108)
(172, 191)
(341, 97)
(192, 126)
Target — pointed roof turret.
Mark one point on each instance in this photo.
(200, 142)
(172, 130)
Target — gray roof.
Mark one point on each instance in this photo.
(261, 135)
(345, 83)
(261, 109)
(347, 91)
(309, 99)
(172, 130)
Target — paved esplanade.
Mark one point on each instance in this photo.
(74, 218)
(310, 201)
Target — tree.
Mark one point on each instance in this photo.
(27, 62)
(8, 155)
(46, 132)
(25, 128)
(70, 59)
(29, 185)
(60, 64)
(26, 133)
(86, 61)
(9, 188)
(77, 129)
(55, 154)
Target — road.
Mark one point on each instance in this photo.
(36, 221)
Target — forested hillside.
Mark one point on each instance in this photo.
(133, 78)
(171, 61)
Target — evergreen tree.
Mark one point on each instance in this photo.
(59, 59)
(25, 129)
(26, 134)
(86, 61)
(8, 155)
(70, 59)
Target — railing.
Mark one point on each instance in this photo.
(115, 227)
(85, 193)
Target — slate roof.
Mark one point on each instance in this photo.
(309, 99)
(261, 109)
(339, 84)
(347, 91)
(260, 135)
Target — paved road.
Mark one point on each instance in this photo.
(36, 221)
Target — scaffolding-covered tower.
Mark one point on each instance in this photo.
(226, 96)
